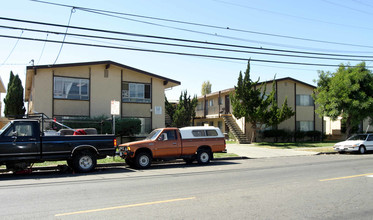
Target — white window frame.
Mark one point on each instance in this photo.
(62, 88)
(136, 93)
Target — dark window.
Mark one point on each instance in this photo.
(304, 100)
(211, 133)
(198, 133)
(171, 135)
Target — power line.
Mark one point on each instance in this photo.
(14, 47)
(64, 37)
(107, 13)
(344, 6)
(176, 53)
(293, 16)
(183, 40)
(181, 45)
(42, 50)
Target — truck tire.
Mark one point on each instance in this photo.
(143, 160)
(203, 156)
(84, 161)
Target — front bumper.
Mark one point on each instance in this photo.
(346, 148)
(125, 153)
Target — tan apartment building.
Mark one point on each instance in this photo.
(76, 90)
(215, 109)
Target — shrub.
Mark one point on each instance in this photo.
(103, 125)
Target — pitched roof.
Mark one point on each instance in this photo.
(100, 63)
(269, 81)
(105, 62)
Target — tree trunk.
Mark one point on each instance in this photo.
(253, 134)
(348, 127)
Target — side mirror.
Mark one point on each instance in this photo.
(15, 134)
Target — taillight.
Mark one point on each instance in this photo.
(115, 142)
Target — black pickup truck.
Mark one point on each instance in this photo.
(24, 142)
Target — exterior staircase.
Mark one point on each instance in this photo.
(235, 129)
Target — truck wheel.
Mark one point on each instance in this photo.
(203, 156)
(84, 161)
(143, 160)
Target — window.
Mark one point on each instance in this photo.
(211, 102)
(170, 135)
(198, 133)
(211, 133)
(21, 129)
(136, 92)
(304, 100)
(304, 126)
(200, 106)
(71, 88)
(370, 138)
(220, 125)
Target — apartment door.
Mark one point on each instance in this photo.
(227, 105)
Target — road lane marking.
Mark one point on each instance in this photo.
(346, 177)
(125, 206)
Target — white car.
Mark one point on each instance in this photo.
(358, 142)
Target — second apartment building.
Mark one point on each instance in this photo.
(214, 109)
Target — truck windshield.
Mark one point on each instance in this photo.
(153, 135)
(5, 127)
(358, 137)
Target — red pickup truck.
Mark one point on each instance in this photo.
(189, 143)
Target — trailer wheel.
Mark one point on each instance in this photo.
(203, 156)
(84, 161)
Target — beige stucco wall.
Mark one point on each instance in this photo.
(158, 102)
(104, 89)
(285, 89)
(138, 110)
(132, 76)
(42, 92)
(71, 107)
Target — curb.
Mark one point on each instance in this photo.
(233, 158)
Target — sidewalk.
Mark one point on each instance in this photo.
(251, 151)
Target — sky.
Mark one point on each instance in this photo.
(330, 31)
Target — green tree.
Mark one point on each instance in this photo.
(348, 93)
(183, 112)
(206, 88)
(14, 104)
(249, 101)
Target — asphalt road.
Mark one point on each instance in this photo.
(303, 187)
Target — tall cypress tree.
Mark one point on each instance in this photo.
(249, 101)
(14, 104)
